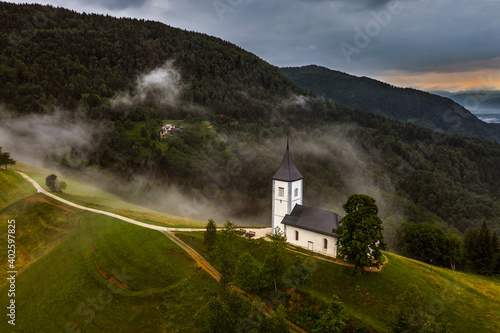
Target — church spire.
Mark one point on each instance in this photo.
(287, 171)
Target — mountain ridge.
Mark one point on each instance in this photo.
(403, 104)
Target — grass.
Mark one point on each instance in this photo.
(59, 287)
(13, 187)
(468, 302)
(59, 284)
(88, 195)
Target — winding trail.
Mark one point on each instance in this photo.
(200, 261)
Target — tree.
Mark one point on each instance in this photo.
(210, 236)
(298, 274)
(54, 184)
(50, 181)
(5, 159)
(246, 273)
(453, 249)
(332, 318)
(276, 323)
(360, 238)
(226, 251)
(60, 186)
(423, 241)
(218, 316)
(407, 313)
(274, 263)
(479, 248)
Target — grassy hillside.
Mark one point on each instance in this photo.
(13, 187)
(466, 301)
(90, 195)
(64, 256)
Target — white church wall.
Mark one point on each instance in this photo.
(297, 187)
(281, 202)
(307, 237)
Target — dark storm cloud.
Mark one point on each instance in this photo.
(117, 4)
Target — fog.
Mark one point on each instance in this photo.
(32, 137)
(161, 85)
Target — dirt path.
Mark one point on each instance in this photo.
(338, 261)
(200, 261)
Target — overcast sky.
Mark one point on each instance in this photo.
(427, 44)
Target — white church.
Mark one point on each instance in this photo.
(307, 227)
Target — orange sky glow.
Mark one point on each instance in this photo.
(483, 79)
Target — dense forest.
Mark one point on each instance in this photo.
(403, 104)
(236, 111)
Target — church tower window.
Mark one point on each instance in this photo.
(281, 191)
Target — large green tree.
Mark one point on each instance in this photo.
(422, 241)
(360, 238)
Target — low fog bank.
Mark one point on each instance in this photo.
(35, 137)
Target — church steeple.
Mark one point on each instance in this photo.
(287, 190)
(287, 171)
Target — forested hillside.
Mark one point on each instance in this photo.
(105, 71)
(403, 104)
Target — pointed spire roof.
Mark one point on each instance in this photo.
(287, 171)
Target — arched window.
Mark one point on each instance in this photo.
(296, 235)
(325, 243)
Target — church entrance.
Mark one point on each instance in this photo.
(310, 246)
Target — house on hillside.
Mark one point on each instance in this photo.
(166, 129)
(307, 227)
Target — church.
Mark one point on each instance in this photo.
(307, 227)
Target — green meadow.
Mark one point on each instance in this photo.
(13, 187)
(85, 272)
(468, 302)
(92, 196)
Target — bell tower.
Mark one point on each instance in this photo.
(287, 190)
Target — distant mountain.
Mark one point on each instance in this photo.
(475, 101)
(402, 104)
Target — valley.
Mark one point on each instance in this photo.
(66, 243)
(164, 143)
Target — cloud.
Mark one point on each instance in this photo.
(34, 136)
(161, 85)
(118, 4)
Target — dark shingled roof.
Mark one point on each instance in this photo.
(313, 219)
(287, 171)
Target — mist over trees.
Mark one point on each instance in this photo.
(100, 66)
